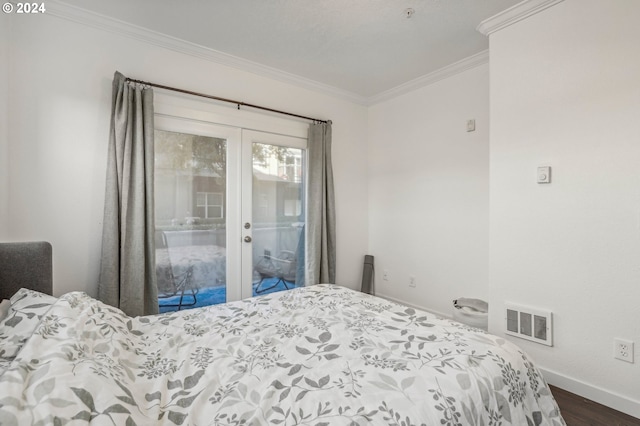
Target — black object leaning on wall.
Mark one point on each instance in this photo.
(367, 275)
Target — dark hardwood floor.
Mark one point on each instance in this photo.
(579, 411)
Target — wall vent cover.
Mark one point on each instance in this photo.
(528, 323)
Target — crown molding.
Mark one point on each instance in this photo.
(427, 79)
(95, 20)
(105, 23)
(514, 14)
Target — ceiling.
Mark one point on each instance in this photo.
(364, 47)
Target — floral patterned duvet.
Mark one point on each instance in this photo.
(320, 355)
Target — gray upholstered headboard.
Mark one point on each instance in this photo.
(26, 265)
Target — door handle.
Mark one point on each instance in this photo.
(247, 239)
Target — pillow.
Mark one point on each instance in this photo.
(21, 297)
(26, 309)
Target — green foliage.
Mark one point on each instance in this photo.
(204, 154)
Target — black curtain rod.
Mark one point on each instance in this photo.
(231, 101)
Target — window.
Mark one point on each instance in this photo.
(210, 205)
(291, 168)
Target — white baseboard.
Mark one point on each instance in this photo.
(601, 396)
(422, 308)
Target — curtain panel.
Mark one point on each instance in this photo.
(320, 243)
(127, 270)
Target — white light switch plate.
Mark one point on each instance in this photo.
(471, 125)
(544, 174)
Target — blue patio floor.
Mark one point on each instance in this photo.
(215, 295)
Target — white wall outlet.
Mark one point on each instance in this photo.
(385, 274)
(412, 281)
(623, 350)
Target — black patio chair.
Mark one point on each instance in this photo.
(282, 267)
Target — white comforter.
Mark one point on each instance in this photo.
(320, 355)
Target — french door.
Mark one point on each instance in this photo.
(273, 212)
(230, 208)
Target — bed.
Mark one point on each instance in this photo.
(319, 355)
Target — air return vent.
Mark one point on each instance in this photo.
(528, 323)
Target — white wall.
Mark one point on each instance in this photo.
(5, 23)
(565, 92)
(429, 192)
(60, 98)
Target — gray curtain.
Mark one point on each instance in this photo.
(127, 270)
(320, 244)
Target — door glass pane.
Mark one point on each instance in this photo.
(278, 218)
(190, 193)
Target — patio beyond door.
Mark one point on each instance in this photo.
(229, 209)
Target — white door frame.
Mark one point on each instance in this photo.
(176, 114)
